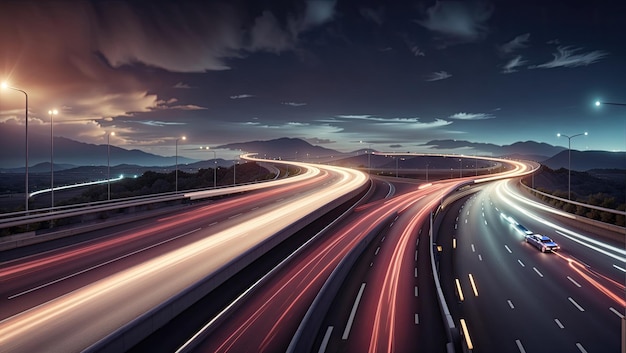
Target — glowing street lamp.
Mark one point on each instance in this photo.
(6, 86)
(214, 166)
(183, 138)
(52, 113)
(569, 159)
(109, 164)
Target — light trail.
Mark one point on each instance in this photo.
(80, 318)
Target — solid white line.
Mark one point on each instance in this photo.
(539, 273)
(580, 347)
(100, 265)
(346, 332)
(473, 248)
(575, 304)
(511, 304)
(521, 263)
(322, 349)
(558, 322)
(508, 249)
(416, 291)
(619, 268)
(572, 280)
(620, 315)
(377, 250)
(480, 257)
(519, 346)
(417, 319)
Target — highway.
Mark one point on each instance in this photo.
(514, 298)
(67, 299)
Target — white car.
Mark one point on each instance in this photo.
(542, 243)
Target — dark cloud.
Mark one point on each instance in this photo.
(458, 21)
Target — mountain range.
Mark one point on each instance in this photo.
(70, 153)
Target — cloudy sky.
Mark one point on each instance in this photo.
(393, 74)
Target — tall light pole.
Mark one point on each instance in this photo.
(368, 151)
(52, 113)
(460, 168)
(623, 350)
(214, 166)
(569, 159)
(176, 182)
(5, 85)
(109, 164)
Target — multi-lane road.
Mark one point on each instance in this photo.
(513, 297)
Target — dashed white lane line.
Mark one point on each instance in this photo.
(573, 281)
(415, 255)
(212, 224)
(235, 216)
(355, 306)
(480, 257)
(416, 272)
(417, 319)
(575, 304)
(558, 323)
(377, 250)
(519, 346)
(581, 348)
(324, 344)
(620, 315)
(508, 249)
(473, 248)
(620, 268)
(416, 292)
(511, 304)
(539, 273)
(521, 263)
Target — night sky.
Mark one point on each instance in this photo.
(393, 74)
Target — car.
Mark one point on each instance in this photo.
(542, 243)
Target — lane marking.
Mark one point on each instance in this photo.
(581, 348)
(459, 290)
(620, 268)
(382, 240)
(212, 224)
(559, 323)
(100, 265)
(355, 306)
(371, 264)
(322, 349)
(254, 209)
(575, 304)
(416, 272)
(453, 243)
(511, 304)
(521, 263)
(418, 240)
(465, 220)
(377, 250)
(473, 285)
(480, 257)
(519, 346)
(620, 315)
(508, 249)
(415, 255)
(485, 222)
(417, 319)
(539, 273)
(473, 248)
(235, 216)
(468, 340)
(416, 291)
(572, 280)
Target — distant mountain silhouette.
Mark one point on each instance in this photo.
(587, 160)
(528, 149)
(71, 152)
(284, 148)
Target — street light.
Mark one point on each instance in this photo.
(183, 138)
(598, 103)
(214, 166)
(4, 86)
(569, 159)
(369, 164)
(52, 112)
(109, 164)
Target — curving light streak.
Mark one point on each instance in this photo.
(583, 271)
(78, 319)
(596, 245)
